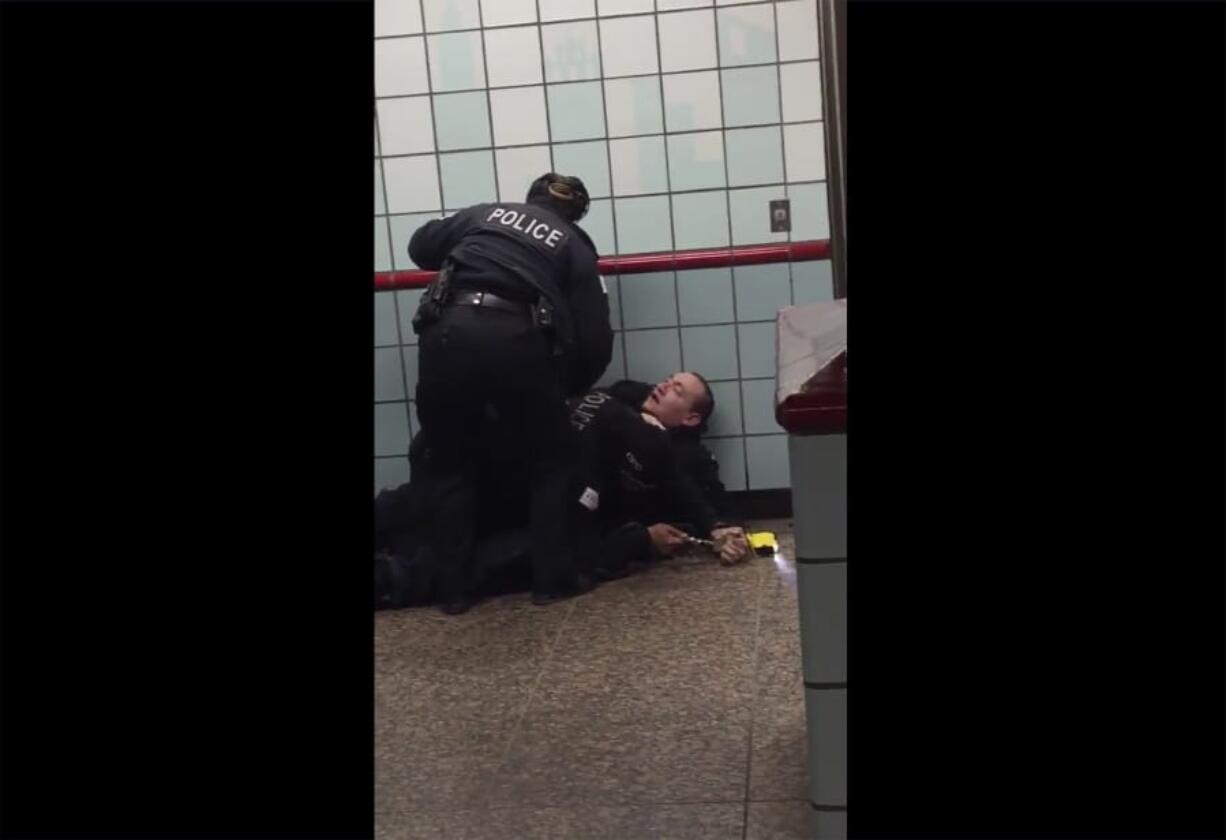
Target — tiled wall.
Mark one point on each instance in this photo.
(684, 118)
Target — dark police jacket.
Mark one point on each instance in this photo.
(625, 459)
(521, 252)
(694, 459)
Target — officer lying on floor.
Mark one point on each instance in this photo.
(643, 464)
(615, 538)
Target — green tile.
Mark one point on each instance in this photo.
(648, 300)
(746, 34)
(576, 111)
(652, 355)
(812, 281)
(751, 96)
(726, 419)
(587, 161)
(710, 351)
(643, 225)
(810, 213)
(462, 120)
(729, 453)
(700, 220)
(705, 296)
(468, 178)
(696, 161)
(389, 377)
(757, 347)
(768, 462)
(761, 291)
(755, 156)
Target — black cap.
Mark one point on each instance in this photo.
(565, 192)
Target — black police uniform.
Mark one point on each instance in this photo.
(626, 461)
(521, 320)
(694, 459)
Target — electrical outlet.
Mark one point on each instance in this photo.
(781, 215)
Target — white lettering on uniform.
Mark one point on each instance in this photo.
(537, 232)
(552, 240)
(521, 219)
(509, 218)
(497, 211)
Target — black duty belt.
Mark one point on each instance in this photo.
(488, 300)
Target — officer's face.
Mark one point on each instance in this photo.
(672, 401)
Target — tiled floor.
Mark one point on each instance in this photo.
(669, 704)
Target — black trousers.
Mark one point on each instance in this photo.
(488, 371)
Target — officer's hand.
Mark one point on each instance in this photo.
(653, 420)
(732, 545)
(665, 538)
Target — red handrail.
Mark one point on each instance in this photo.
(818, 249)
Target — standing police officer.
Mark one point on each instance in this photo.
(516, 321)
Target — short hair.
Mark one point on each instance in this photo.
(704, 403)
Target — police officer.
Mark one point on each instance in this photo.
(517, 320)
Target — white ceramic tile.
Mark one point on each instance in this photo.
(397, 17)
(628, 45)
(405, 125)
(513, 56)
(665, 5)
(805, 151)
(455, 61)
(576, 111)
(634, 106)
(797, 30)
(802, 91)
(567, 9)
(747, 34)
(696, 161)
(507, 12)
(687, 40)
(518, 168)
(651, 355)
(691, 101)
(400, 67)
(412, 184)
(519, 116)
(383, 248)
(442, 15)
(638, 166)
(810, 211)
(700, 219)
(572, 51)
(643, 225)
(623, 7)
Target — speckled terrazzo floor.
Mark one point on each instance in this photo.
(668, 704)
